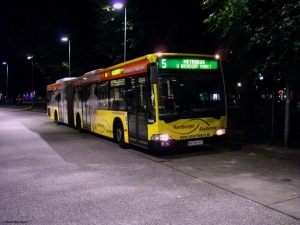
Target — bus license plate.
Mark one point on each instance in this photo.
(193, 143)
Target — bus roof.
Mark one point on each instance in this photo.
(58, 84)
(65, 79)
(128, 68)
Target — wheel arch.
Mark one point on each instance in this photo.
(119, 133)
(117, 120)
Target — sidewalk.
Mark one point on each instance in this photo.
(284, 153)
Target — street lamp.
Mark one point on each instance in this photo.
(119, 6)
(239, 85)
(5, 63)
(30, 57)
(68, 39)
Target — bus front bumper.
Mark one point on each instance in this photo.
(186, 143)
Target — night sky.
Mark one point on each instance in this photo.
(36, 27)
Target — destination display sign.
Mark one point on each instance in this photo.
(188, 64)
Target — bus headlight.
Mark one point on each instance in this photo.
(164, 137)
(221, 131)
(160, 137)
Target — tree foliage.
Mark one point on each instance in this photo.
(265, 33)
(283, 39)
(258, 36)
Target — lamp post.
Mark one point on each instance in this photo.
(68, 39)
(119, 6)
(30, 57)
(5, 63)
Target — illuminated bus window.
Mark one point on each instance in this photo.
(103, 95)
(119, 82)
(117, 95)
(77, 97)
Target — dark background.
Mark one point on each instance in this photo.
(96, 33)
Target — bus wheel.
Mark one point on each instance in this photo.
(56, 118)
(78, 124)
(119, 135)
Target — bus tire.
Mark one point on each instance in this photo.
(119, 135)
(78, 124)
(56, 118)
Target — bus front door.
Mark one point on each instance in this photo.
(137, 116)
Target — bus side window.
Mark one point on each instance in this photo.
(103, 95)
(58, 97)
(85, 94)
(122, 104)
(80, 94)
(117, 96)
(115, 105)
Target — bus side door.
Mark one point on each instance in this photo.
(137, 115)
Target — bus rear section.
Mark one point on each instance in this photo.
(60, 101)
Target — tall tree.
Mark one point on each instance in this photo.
(262, 36)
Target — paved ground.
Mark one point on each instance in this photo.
(51, 174)
(269, 178)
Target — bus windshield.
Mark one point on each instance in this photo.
(190, 94)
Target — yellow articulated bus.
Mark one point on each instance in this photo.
(158, 101)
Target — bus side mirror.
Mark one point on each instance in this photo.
(154, 73)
